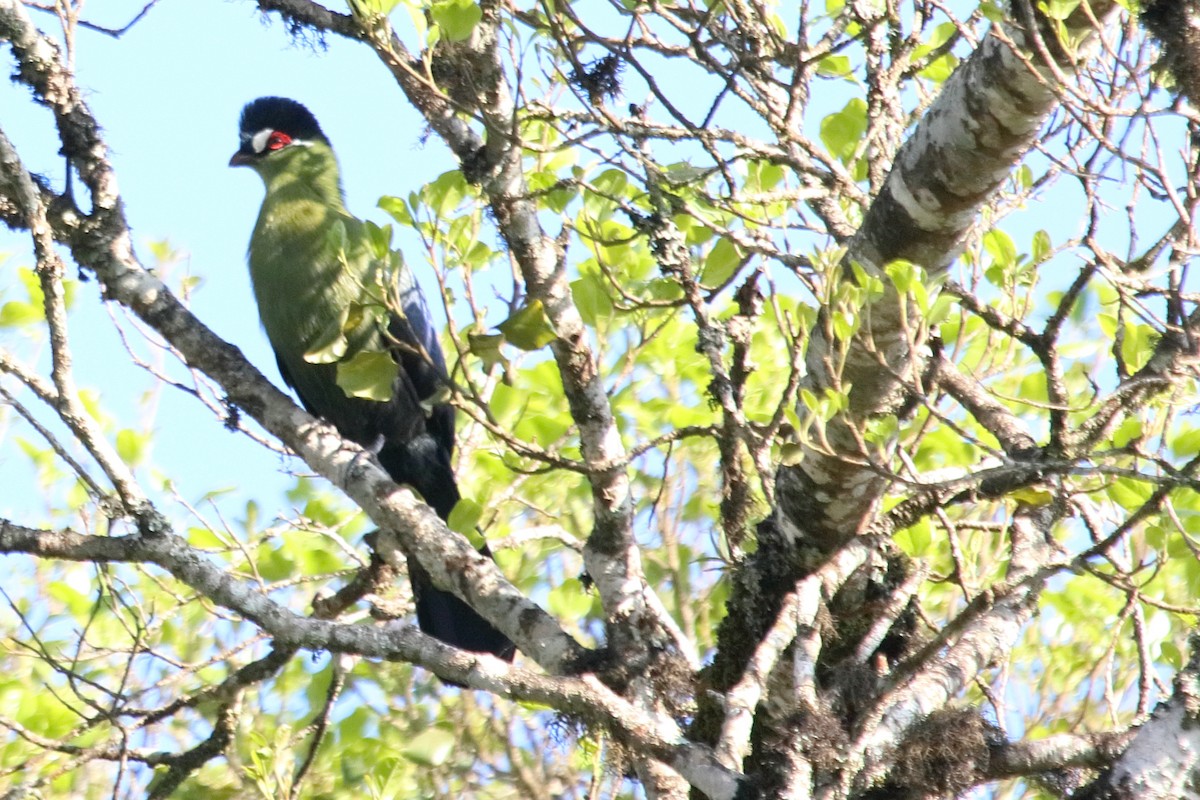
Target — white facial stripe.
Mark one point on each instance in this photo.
(259, 140)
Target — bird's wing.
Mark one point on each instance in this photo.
(422, 364)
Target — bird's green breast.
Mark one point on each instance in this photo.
(307, 266)
(297, 276)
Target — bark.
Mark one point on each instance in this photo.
(976, 132)
(980, 127)
(1162, 762)
(1176, 25)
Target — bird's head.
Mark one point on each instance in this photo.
(273, 130)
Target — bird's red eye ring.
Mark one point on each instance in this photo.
(278, 140)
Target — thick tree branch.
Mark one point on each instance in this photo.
(586, 697)
(983, 122)
(799, 611)
(938, 676)
(1162, 760)
(1176, 25)
(1062, 751)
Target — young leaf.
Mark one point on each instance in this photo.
(397, 209)
(464, 518)
(379, 238)
(330, 345)
(842, 130)
(369, 374)
(591, 299)
(529, 328)
(431, 747)
(720, 264)
(456, 18)
(487, 347)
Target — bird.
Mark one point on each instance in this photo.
(319, 276)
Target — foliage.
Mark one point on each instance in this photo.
(696, 378)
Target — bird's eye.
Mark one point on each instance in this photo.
(278, 140)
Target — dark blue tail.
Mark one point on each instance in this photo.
(425, 467)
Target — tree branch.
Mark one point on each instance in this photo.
(101, 242)
(654, 734)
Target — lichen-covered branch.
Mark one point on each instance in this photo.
(982, 123)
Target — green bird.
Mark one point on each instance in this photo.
(331, 295)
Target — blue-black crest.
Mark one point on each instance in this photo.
(280, 114)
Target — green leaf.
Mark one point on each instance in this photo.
(555, 194)
(721, 263)
(74, 601)
(1033, 496)
(763, 176)
(204, 539)
(1058, 9)
(568, 600)
(33, 286)
(369, 374)
(379, 238)
(22, 313)
(1172, 655)
(431, 747)
(940, 69)
(131, 446)
(664, 289)
(1023, 177)
(611, 183)
(1187, 443)
(1139, 344)
(487, 347)
(681, 173)
(1129, 431)
(529, 328)
(916, 539)
(1000, 246)
(335, 238)
(445, 192)
(940, 311)
(591, 298)
(17, 313)
(993, 11)
(1041, 247)
(600, 199)
(904, 274)
(1128, 493)
(842, 130)
(330, 345)
(274, 562)
(834, 67)
(397, 209)
(791, 454)
(456, 18)
(464, 519)
(845, 324)
(367, 9)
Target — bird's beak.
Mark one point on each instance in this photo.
(241, 159)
